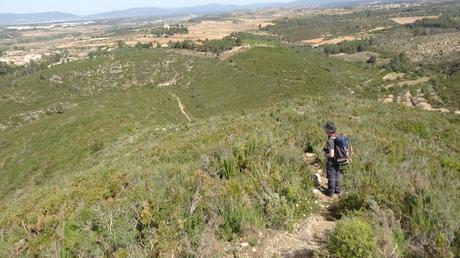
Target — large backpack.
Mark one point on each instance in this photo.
(343, 150)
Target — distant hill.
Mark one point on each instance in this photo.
(14, 18)
(11, 18)
(161, 12)
(133, 12)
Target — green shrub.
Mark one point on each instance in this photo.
(278, 211)
(456, 243)
(228, 168)
(96, 146)
(352, 202)
(232, 215)
(352, 238)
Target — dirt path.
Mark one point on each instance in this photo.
(408, 83)
(182, 107)
(309, 236)
(227, 54)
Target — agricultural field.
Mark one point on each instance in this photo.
(202, 137)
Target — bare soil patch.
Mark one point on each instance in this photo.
(325, 41)
(419, 100)
(356, 57)
(393, 76)
(389, 99)
(182, 108)
(314, 41)
(208, 30)
(409, 83)
(379, 29)
(422, 102)
(411, 19)
(406, 100)
(227, 54)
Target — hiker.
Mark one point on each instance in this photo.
(333, 168)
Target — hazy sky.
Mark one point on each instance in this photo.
(94, 6)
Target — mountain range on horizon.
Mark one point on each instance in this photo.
(139, 12)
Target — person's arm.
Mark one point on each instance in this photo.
(330, 154)
(330, 149)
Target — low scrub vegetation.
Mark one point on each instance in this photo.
(169, 31)
(348, 47)
(216, 46)
(431, 26)
(316, 26)
(352, 238)
(123, 173)
(224, 177)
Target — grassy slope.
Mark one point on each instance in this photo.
(215, 87)
(123, 168)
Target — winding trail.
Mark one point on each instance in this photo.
(309, 236)
(182, 107)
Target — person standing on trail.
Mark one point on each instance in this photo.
(333, 170)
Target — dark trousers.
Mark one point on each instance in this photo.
(334, 177)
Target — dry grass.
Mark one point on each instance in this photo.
(358, 56)
(411, 19)
(324, 41)
(93, 36)
(206, 30)
(409, 82)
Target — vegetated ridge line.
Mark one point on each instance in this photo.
(182, 107)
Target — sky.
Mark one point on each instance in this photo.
(84, 7)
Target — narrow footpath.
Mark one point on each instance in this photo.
(309, 235)
(182, 107)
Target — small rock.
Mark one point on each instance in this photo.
(254, 249)
(56, 79)
(244, 245)
(20, 245)
(316, 180)
(310, 155)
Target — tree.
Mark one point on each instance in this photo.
(238, 41)
(403, 58)
(143, 45)
(4, 68)
(121, 44)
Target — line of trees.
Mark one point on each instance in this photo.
(348, 47)
(215, 46)
(161, 31)
(431, 26)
